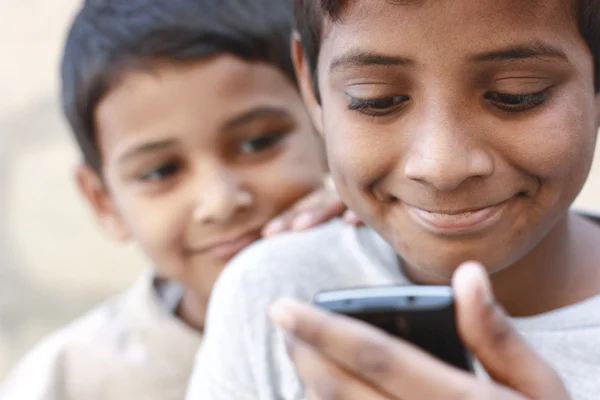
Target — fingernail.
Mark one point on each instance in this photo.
(273, 227)
(473, 274)
(302, 221)
(282, 316)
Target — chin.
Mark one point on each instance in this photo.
(435, 263)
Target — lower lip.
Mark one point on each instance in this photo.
(457, 224)
(230, 249)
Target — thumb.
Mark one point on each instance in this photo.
(490, 335)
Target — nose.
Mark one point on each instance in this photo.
(444, 154)
(221, 198)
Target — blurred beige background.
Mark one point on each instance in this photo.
(54, 264)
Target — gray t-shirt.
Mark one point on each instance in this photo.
(243, 355)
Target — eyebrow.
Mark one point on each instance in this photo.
(253, 115)
(535, 49)
(362, 58)
(147, 148)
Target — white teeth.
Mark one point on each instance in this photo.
(453, 216)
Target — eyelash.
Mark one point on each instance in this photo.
(167, 170)
(264, 142)
(377, 107)
(507, 102)
(514, 103)
(164, 171)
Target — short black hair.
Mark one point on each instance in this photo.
(311, 14)
(110, 37)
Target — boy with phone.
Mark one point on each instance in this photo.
(195, 141)
(457, 130)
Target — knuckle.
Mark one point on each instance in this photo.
(314, 334)
(314, 197)
(285, 216)
(374, 360)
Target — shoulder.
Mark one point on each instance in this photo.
(330, 235)
(289, 264)
(300, 264)
(329, 256)
(242, 351)
(298, 257)
(242, 355)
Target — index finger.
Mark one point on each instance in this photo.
(389, 364)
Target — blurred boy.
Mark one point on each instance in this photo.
(194, 138)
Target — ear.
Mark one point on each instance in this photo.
(96, 194)
(305, 81)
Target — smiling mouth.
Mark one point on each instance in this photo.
(458, 222)
(226, 249)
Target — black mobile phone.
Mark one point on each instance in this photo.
(422, 315)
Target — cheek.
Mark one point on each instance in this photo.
(156, 223)
(297, 171)
(359, 154)
(558, 147)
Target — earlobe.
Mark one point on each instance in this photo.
(95, 193)
(308, 88)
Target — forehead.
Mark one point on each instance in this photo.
(189, 98)
(458, 9)
(448, 27)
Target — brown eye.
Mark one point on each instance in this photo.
(260, 143)
(160, 173)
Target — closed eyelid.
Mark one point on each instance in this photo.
(514, 103)
(378, 99)
(378, 107)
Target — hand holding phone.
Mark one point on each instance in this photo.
(326, 351)
(422, 315)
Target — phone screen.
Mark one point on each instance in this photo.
(420, 315)
(433, 332)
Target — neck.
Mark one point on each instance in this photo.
(192, 310)
(562, 270)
